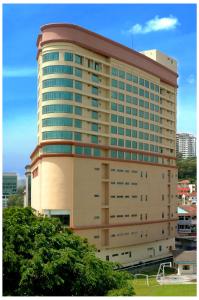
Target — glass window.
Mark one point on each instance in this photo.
(113, 118)
(121, 74)
(78, 150)
(113, 154)
(121, 119)
(95, 78)
(94, 115)
(120, 154)
(128, 110)
(113, 141)
(141, 113)
(134, 144)
(141, 135)
(57, 96)
(68, 56)
(94, 127)
(50, 56)
(120, 108)
(78, 136)
(141, 92)
(57, 149)
(128, 132)
(146, 115)
(114, 83)
(146, 104)
(141, 81)
(152, 87)
(94, 139)
(121, 85)
(78, 110)
(78, 59)
(135, 90)
(78, 123)
(151, 96)
(141, 102)
(114, 95)
(128, 121)
(48, 135)
(96, 152)
(78, 72)
(121, 96)
(134, 123)
(134, 111)
(78, 85)
(95, 102)
(129, 76)
(146, 94)
(57, 70)
(135, 79)
(146, 83)
(140, 146)
(114, 72)
(134, 133)
(134, 156)
(157, 88)
(128, 144)
(128, 155)
(113, 129)
(78, 98)
(135, 100)
(128, 88)
(120, 143)
(94, 90)
(87, 151)
(120, 130)
(57, 108)
(63, 82)
(113, 106)
(57, 122)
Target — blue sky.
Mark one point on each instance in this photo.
(171, 28)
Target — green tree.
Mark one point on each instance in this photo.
(43, 258)
(187, 169)
(17, 199)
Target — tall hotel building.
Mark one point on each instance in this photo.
(106, 155)
(186, 145)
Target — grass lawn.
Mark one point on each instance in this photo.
(154, 289)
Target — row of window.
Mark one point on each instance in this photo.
(132, 99)
(61, 122)
(133, 122)
(134, 111)
(91, 151)
(60, 95)
(130, 77)
(69, 56)
(134, 133)
(62, 69)
(62, 82)
(134, 145)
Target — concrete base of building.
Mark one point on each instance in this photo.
(138, 254)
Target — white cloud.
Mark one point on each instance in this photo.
(19, 72)
(155, 24)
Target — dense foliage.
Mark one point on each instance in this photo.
(187, 169)
(42, 258)
(17, 199)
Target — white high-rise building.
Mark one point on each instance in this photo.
(186, 144)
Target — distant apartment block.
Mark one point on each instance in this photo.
(9, 186)
(105, 161)
(186, 145)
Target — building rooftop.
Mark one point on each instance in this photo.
(181, 256)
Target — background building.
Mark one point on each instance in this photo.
(106, 156)
(9, 186)
(186, 145)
